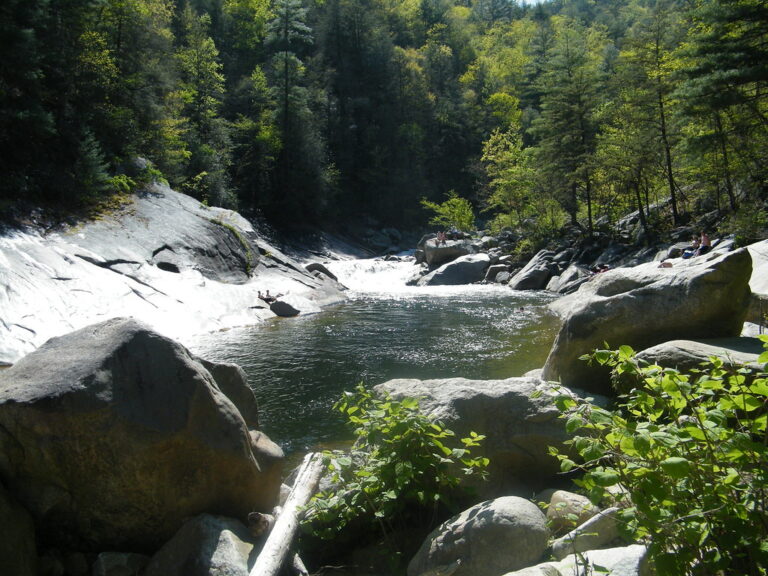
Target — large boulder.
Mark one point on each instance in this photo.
(706, 297)
(206, 546)
(489, 539)
(437, 254)
(570, 280)
(685, 355)
(535, 274)
(113, 435)
(463, 270)
(758, 308)
(517, 416)
(18, 552)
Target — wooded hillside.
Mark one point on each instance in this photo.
(323, 110)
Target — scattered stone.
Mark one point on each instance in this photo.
(488, 539)
(205, 546)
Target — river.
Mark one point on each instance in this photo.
(299, 367)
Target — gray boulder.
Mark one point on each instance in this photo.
(687, 354)
(758, 306)
(597, 532)
(535, 274)
(502, 278)
(205, 546)
(437, 254)
(488, 539)
(18, 551)
(283, 309)
(706, 297)
(113, 435)
(625, 561)
(517, 415)
(493, 272)
(463, 270)
(567, 510)
(317, 267)
(233, 382)
(570, 280)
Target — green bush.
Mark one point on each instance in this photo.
(691, 451)
(402, 465)
(455, 212)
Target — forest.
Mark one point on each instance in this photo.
(567, 112)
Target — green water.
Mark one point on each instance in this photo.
(298, 367)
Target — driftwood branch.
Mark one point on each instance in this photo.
(278, 544)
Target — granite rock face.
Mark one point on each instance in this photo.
(164, 258)
(113, 435)
(705, 297)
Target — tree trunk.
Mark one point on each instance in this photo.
(278, 544)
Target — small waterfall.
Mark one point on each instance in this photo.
(374, 275)
(387, 279)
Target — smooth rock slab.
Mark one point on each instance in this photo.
(705, 297)
(687, 354)
(489, 539)
(113, 435)
(626, 561)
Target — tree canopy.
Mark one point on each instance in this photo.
(319, 111)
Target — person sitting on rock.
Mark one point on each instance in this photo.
(267, 297)
(692, 249)
(441, 238)
(705, 244)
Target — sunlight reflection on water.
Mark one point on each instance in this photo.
(298, 367)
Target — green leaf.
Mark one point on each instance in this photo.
(605, 478)
(676, 466)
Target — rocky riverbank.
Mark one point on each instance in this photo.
(121, 453)
(164, 259)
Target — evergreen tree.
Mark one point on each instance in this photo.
(567, 128)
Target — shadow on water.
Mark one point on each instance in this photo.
(299, 367)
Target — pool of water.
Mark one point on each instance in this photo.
(299, 367)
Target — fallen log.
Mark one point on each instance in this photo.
(278, 544)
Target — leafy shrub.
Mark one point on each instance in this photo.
(121, 184)
(455, 212)
(748, 225)
(402, 464)
(691, 451)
